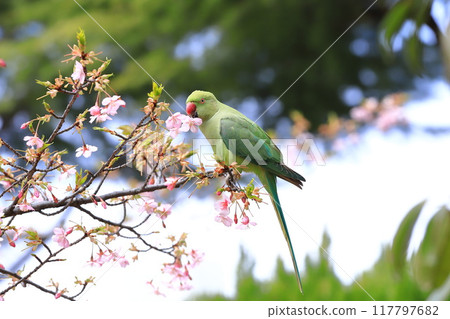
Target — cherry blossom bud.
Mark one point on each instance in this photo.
(245, 220)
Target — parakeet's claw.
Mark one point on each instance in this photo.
(230, 179)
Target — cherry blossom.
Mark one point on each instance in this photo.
(191, 124)
(224, 219)
(123, 262)
(78, 72)
(163, 211)
(361, 114)
(182, 123)
(112, 104)
(197, 257)
(156, 290)
(67, 170)
(390, 117)
(148, 206)
(5, 184)
(86, 150)
(175, 121)
(171, 183)
(98, 114)
(223, 205)
(25, 125)
(179, 273)
(60, 236)
(34, 141)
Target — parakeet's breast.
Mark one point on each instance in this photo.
(211, 130)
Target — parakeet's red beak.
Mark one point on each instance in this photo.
(191, 109)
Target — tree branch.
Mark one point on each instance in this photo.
(76, 202)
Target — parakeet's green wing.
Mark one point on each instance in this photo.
(250, 141)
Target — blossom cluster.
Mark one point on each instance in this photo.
(103, 257)
(338, 133)
(29, 178)
(179, 271)
(178, 122)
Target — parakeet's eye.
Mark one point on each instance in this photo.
(202, 101)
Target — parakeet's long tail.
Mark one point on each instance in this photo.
(269, 182)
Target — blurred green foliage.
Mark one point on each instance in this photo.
(237, 49)
(394, 276)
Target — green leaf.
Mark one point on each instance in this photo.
(156, 91)
(47, 107)
(126, 129)
(80, 178)
(402, 237)
(81, 37)
(413, 51)
(104, 66)
(431, 262)
(44, 83)
(393, 21)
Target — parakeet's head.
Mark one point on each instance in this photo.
(201, 104)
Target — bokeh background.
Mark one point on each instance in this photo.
(372, 220)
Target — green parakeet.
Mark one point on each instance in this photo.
(235, 138)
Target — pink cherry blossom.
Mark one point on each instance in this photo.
(163, 211)
(25, 125)
(18, 232)
(197, 257)
(224, 219)
(67, 170)
(245, 220)
(60, 236)
(34, 141)
(180, 275)
(112, 104)
(86, 150)
(5, 184)
(190, 124)
(223, 205)
(98, 114)
(171, 182)
(244, 227)
(175, 121)
(148, 206)
(93, 262)
(174, 132)
(389, 118)
(123, 262)
(156, 290)
(78, 72)
(361, 114)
